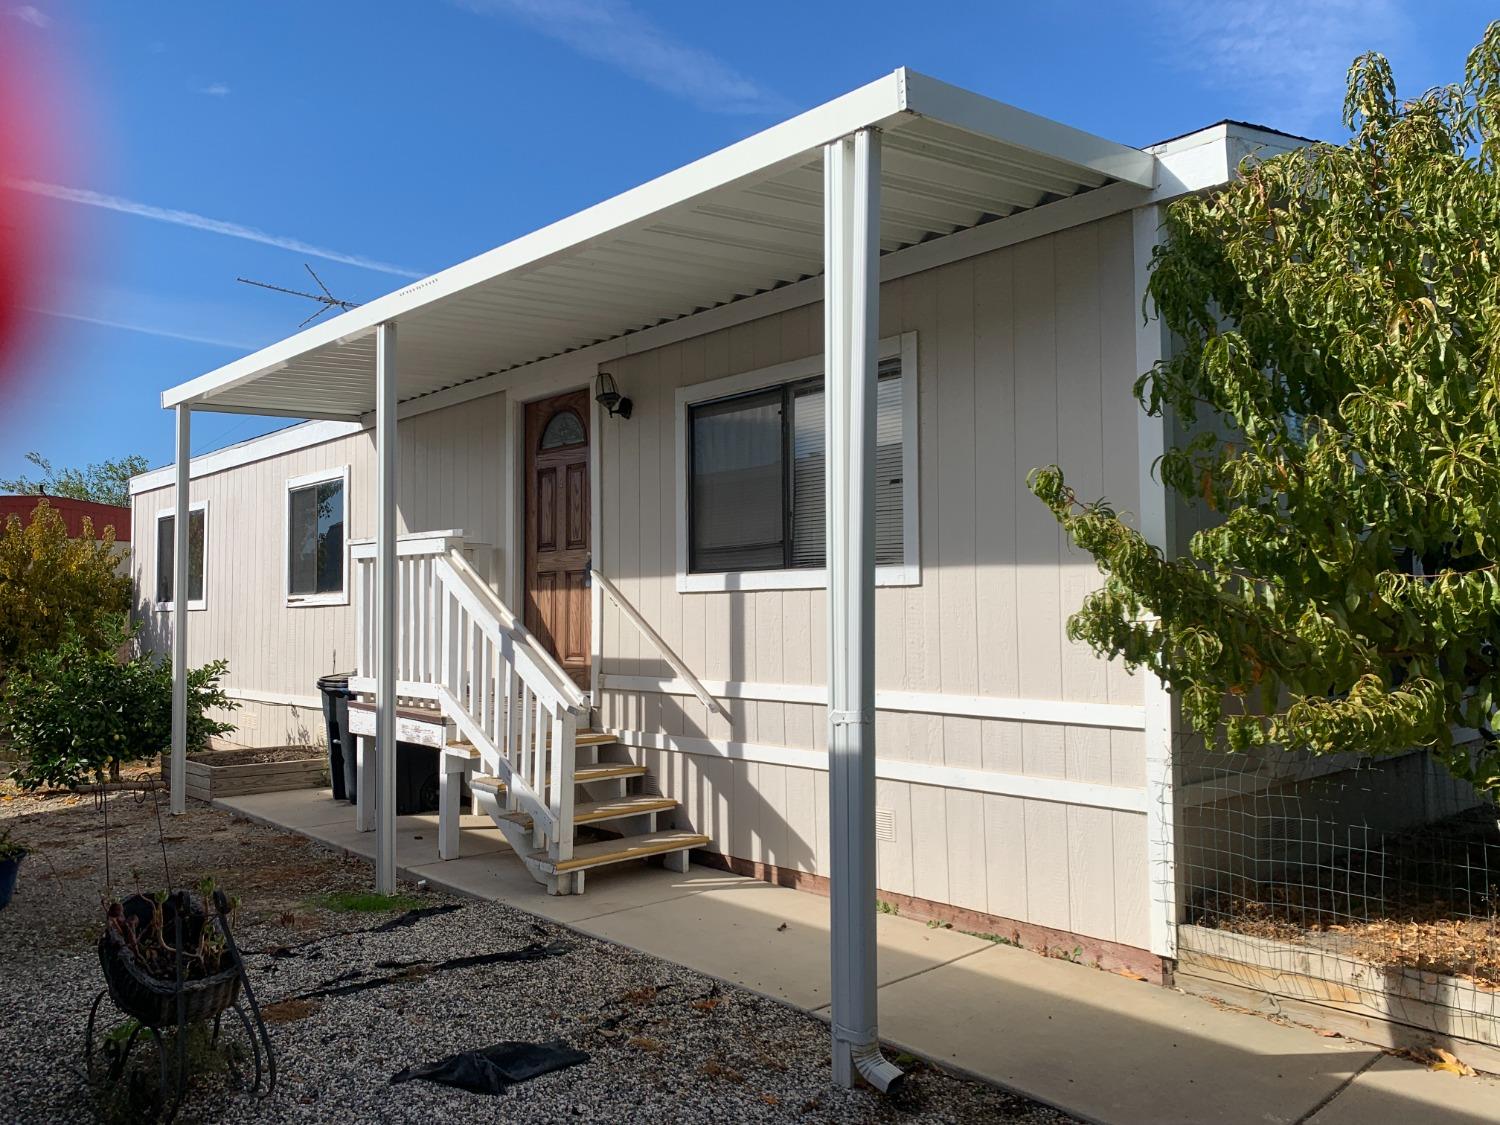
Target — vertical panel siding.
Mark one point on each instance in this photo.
(1025, 357)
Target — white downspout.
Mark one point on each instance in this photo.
(851, 305)
(180, 598)
(385, 609)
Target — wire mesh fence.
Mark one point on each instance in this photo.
(1365, 883)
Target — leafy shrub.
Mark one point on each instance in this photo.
(52, 587)
(78, 711)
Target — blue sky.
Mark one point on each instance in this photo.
(380, 139)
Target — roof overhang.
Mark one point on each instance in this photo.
(742, 221)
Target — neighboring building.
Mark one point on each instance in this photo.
(73, 512)
(670, 561)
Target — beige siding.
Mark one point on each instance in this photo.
(452, 476)
(1026, 356)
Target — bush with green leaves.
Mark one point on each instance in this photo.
(78, 711)
(52, 587)
(1337, 369)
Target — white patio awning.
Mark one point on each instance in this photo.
(747, 219)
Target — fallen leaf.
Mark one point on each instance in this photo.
(1130, 974)
(1328, 1033)
(1446, 1061)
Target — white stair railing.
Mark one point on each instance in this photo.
(461, 647)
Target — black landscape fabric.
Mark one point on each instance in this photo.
(495, 1068)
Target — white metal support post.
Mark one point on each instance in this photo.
(385, 609)
(851, 305)
(1156, 525)
(180, 599)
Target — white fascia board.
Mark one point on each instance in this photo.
(246, 452)
(975, 113)
(755, 157)
(1211, 157)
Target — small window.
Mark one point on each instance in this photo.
(316, 538)
(565, 428)
(756, 477)
(166, 554)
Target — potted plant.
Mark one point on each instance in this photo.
(11, 855)
(156, 945)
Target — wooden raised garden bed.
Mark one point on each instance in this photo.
(233, 773)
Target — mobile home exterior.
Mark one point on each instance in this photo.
(669, 562)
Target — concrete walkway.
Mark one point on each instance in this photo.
(1098, 1045)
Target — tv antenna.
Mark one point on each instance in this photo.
(325, 298)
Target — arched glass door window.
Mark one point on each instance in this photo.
(563, 429)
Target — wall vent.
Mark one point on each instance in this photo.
(885, 825)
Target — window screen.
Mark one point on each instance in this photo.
(757, 486)
(316, 550)
(166, 554)
(738, 504)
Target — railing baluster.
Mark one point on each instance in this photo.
(501, 687)
(560, 796)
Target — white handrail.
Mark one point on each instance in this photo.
(683, 671)
(563, 683)
(461, 646)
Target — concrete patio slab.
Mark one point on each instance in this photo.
(1406, 1092)
(1111, 1048)
(296, 808)
(770, 939)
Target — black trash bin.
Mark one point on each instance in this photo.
(342, 762)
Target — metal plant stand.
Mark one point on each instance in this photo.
(159, 1006)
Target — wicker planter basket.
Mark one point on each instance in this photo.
(150, 1000)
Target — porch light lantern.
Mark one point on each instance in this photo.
(608, 396)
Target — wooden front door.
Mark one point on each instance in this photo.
(557, 529)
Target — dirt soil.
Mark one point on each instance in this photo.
(260, 754)
(1428, 899)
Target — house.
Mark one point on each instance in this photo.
(593, 465)
(73, 512)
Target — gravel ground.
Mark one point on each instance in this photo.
(665, 1043)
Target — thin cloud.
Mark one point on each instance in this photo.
(30, 13)
(216, 89)
(147, 329)
(201, 222)
(613, 32)
(1288, 58)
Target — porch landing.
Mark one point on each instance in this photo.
(1095, 1044)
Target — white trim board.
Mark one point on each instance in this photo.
(1054, 789)
(338, 473)
(194, 604)
(1115, 716)
(289, 440)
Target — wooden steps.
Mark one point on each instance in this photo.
(583, 775)
(596, 812)
(622, 850)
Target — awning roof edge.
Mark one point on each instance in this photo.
(888, 102)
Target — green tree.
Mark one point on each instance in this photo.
(1337, 318)
(104, 482)
(78, 710)
(52, 587)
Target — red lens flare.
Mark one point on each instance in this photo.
(30, 139)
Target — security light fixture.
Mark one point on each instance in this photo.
(608, 396)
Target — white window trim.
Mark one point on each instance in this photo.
(908, 573)
(171, 513)
(340, 597)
